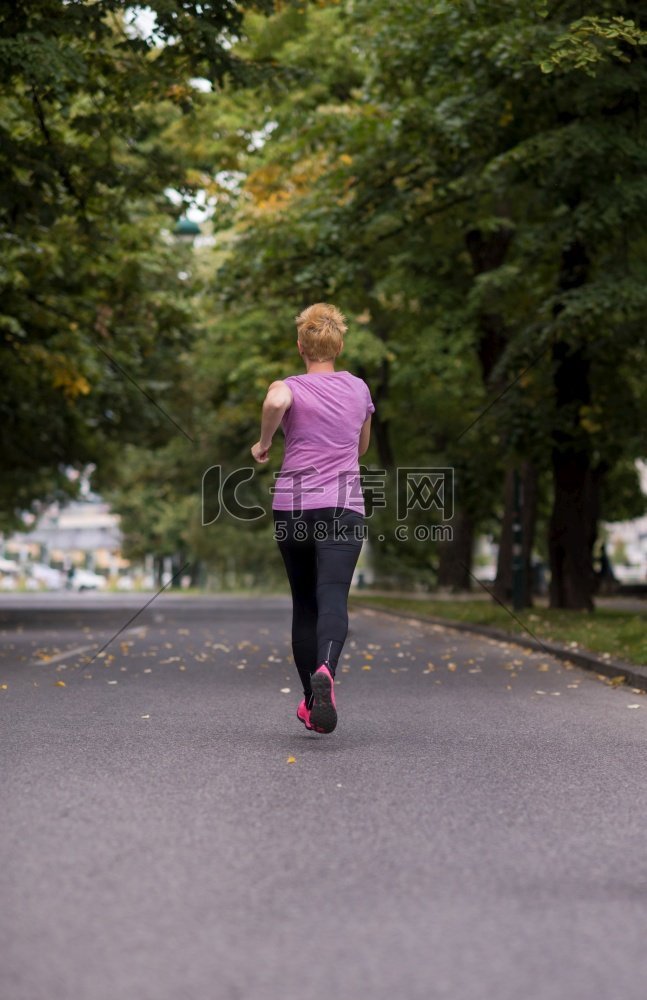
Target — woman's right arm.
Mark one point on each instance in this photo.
(365, 436)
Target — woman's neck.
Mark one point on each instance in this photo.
(319, 367)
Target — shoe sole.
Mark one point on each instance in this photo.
(323, 714)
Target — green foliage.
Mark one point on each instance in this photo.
(93, 312)
(427, 167)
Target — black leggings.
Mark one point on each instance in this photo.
(320, 548)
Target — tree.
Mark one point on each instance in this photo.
(93, 312)
(466, 183)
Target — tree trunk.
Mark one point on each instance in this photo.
(158, 570)
(381, 324)
(570, 547)
(571, 532)
(529, 493)
(487, 252)
(455, 557)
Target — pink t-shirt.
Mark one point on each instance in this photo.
(322, 427)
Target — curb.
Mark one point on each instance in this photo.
(633, 675)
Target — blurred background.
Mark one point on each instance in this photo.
(465, 180)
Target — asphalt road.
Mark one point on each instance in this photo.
(473, 830)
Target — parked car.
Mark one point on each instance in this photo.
(86, 579)
(45, 576)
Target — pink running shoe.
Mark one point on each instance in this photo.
(323, 714)
(303, 713)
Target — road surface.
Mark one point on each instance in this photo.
(473, 830)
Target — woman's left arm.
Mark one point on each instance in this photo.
(276, 402)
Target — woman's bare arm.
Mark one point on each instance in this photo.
(365, 436)
(276, 402)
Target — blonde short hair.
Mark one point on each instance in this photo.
(321, 328)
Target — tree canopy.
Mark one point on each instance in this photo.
(464, 179)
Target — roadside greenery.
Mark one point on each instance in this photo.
(466, 180)
(620, 634)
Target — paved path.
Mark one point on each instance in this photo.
(473, 830)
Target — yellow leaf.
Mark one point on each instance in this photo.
(291, 760)
(367, 666)
(60, 684)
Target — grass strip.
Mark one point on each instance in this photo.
(620, 634)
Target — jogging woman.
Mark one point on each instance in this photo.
(318, 506)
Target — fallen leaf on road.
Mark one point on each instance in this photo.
(291, 760)
(61, 684)
(451, 666)
(367, 666)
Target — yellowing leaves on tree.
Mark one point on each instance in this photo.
(507, 115)
(63, 376)
(272, 187)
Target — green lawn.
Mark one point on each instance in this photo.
(620, 633)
